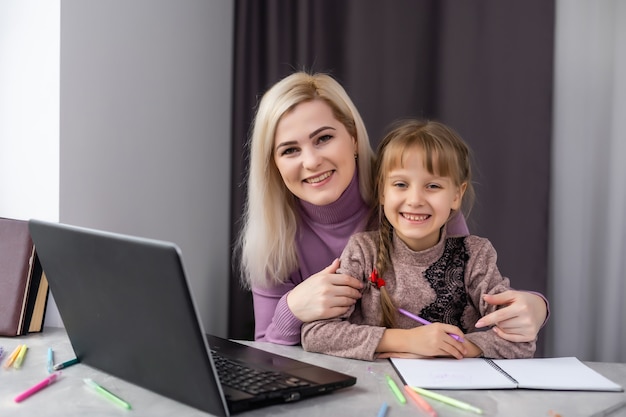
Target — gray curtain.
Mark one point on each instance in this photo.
(477, 66)
(588, 239)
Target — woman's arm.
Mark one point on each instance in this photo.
(482, 278)
(523, 313)
(280, 311)
(273, 320)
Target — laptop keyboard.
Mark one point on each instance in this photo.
(253, 381)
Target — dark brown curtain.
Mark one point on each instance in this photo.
(483, 67)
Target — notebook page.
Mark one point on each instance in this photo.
(556, 374)
(468, 373)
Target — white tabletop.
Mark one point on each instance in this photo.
(70, 397)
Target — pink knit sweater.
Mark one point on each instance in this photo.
(442, 284)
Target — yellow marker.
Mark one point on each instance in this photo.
(20, 357)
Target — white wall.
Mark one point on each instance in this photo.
(29, 113)
(126, 129)
(29, 109)
(145, 130)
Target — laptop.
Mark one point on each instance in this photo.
(128, 311)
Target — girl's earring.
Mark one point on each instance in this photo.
(356, 156)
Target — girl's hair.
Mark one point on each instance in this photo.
(445, 154)
(266, 244)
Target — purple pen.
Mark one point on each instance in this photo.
(424, 321)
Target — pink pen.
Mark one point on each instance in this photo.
(36, 388)
(424, 321)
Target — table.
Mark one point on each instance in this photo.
(70, 397)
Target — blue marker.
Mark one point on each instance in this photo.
(382, 411)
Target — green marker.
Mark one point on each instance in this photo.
(448, 400)
(107, 394)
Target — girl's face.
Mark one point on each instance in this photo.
(416, 202)
(314, 153)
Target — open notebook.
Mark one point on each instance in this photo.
(563, 374)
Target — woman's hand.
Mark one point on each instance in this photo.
(521, 317)
(324, 295)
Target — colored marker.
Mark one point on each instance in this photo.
(420, 401)
(36, 388)
(424, 321)
(12, 356)
(383, 410)
(107, 394)
(396, 391)
(610, 410)
(65, 364)
(447, 400)
(20, 357)
(50, 362)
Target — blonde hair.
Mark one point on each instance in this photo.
(266, 244)
(445, 154)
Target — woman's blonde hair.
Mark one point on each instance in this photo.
(445, 154)
(266, 244)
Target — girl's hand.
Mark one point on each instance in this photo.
(521, 317)
(431, 340)
(324, 295)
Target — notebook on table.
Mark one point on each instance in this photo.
(560, 374)
(127, 308)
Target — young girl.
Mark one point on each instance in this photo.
(412, 264)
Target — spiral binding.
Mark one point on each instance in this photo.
(502, 371)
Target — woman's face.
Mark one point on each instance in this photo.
(314, 153)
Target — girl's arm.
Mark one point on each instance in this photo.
(338, 337)
(432, 340)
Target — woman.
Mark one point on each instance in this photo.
(309, 189)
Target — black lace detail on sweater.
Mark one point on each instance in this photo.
(446, 277)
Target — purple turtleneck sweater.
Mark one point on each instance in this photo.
(322, 234)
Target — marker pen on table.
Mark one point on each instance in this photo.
(383, 410)
(396, 391)
(106, 393)
(448, 400)
(50, 361)
(610, 410)
(20, 357)
(12, 356)
(65, 364)
(424, 321)
(36, 388)
(420, 401)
